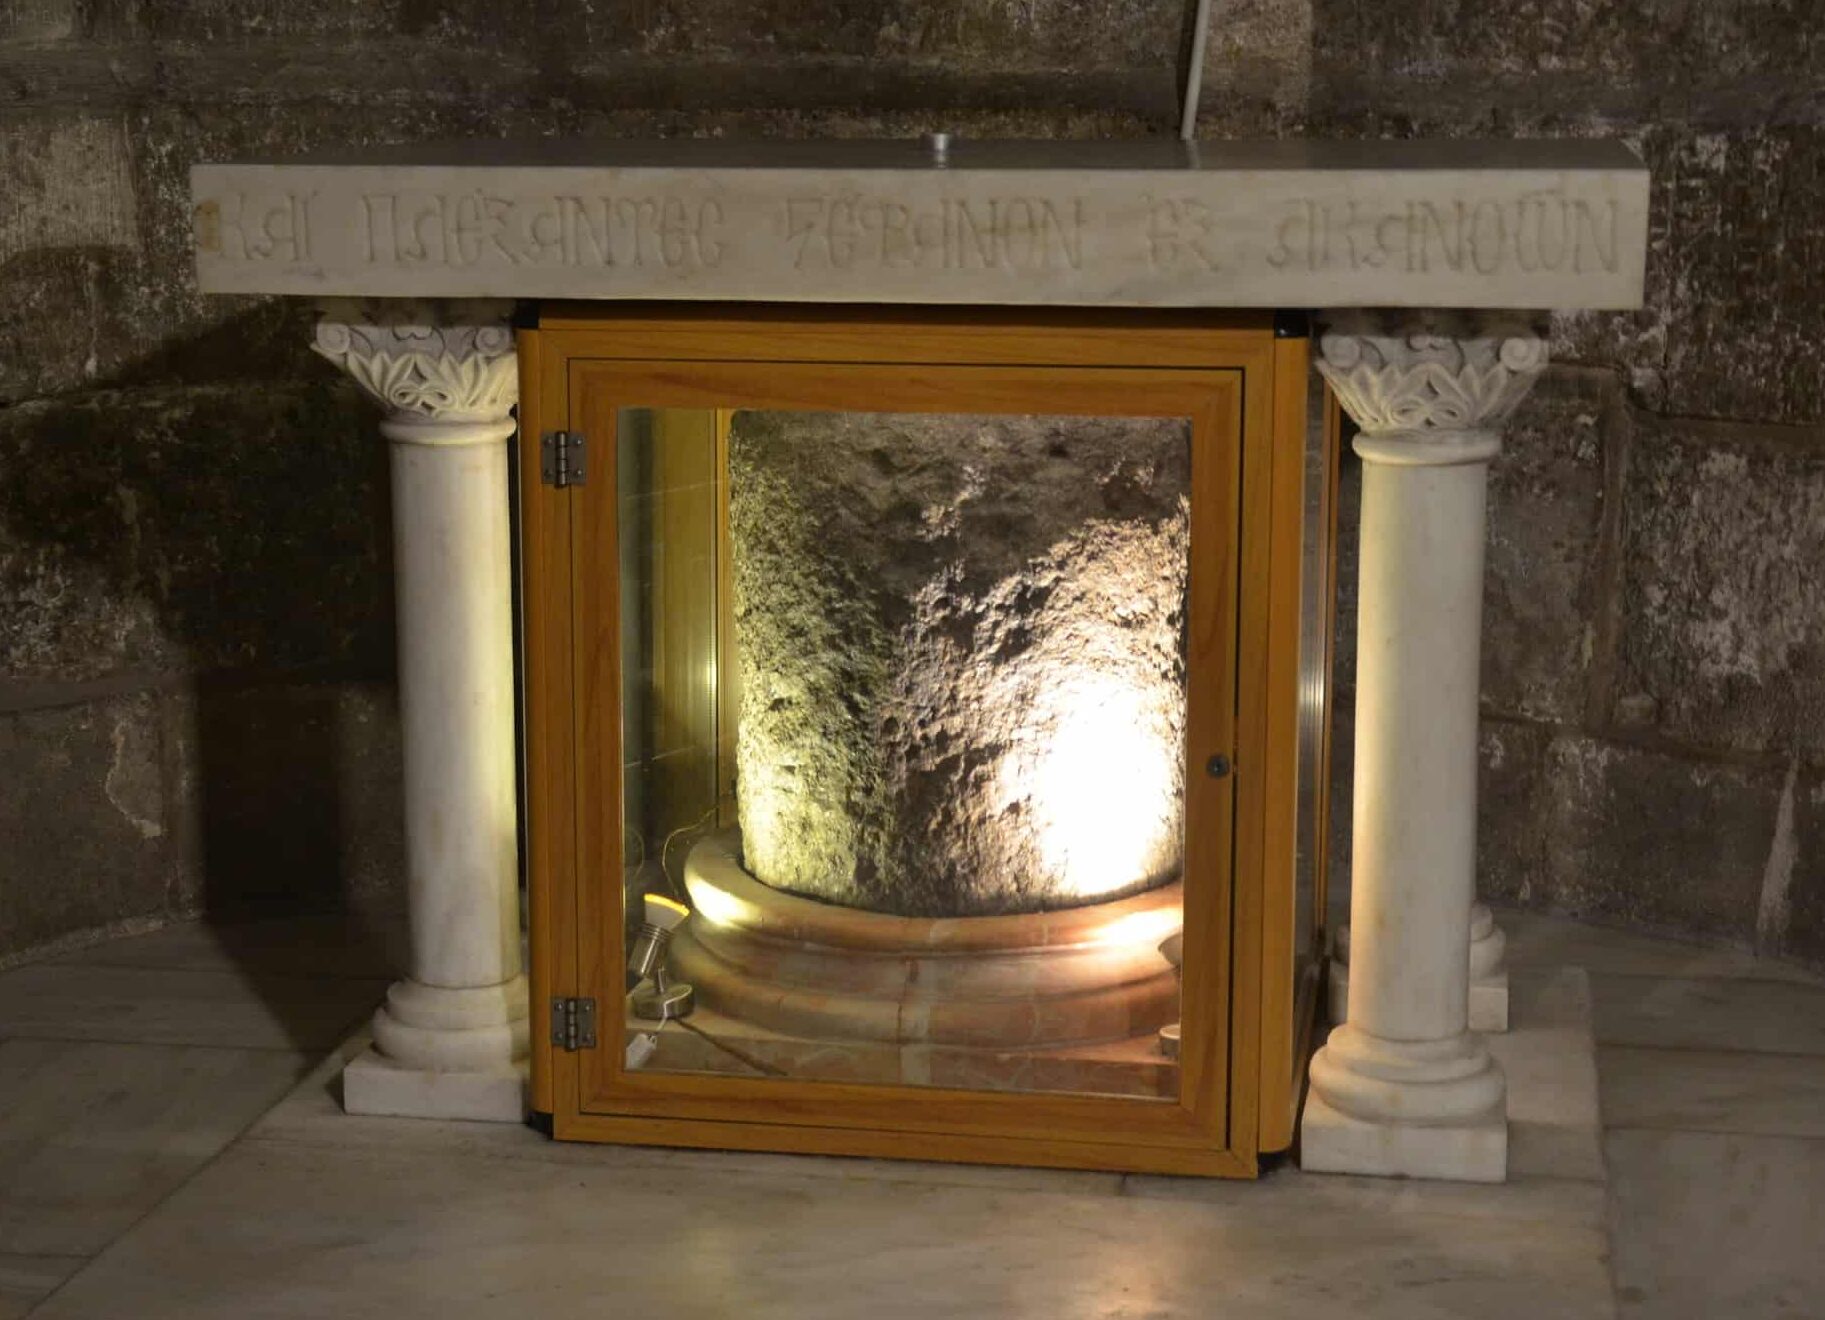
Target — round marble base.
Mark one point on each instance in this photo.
(819, 971)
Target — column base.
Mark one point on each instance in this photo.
(1331, 1141)
(1489, 1003)
(1405, 1108)
(374, 1084)
(445, 1052)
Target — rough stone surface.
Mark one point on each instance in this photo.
(1655, 840)
(1617, 59)
(153, 805)
(38, 20)
(150, 532)
(1257, 63)
(1542, 574)
(1791, 909)
(1349, 566)
(151, 536)
(285, 796)
(961, 651)
(1511, 849)
(1749, 273)
(1722, 598)
(83, 819)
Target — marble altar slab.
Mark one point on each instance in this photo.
(1471, 224)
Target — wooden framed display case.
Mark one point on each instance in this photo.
(954, 679)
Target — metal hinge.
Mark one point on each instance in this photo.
(563, 458)
(573, 1023)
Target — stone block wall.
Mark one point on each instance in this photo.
(195, 640)
(1655, 646)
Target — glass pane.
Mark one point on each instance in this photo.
(903, 710)
(1315, 594)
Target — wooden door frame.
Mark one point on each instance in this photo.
(1262, 1073)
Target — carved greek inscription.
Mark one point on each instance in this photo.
(477, 228)
(1537, 231)
(1015, 234)
(256, 227)
(1181, 234)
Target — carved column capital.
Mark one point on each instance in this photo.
(1430, 387)
(436, 367)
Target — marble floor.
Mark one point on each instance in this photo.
(170, 1146)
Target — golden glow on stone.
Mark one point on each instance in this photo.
(718, 906)
(1104, 790)
(1140, 928)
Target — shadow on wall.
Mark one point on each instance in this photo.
(196, 658)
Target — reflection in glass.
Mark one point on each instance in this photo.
(903, 716)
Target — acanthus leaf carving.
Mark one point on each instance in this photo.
(1444, 374)
(446, 363)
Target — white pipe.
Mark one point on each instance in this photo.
(1194, 76)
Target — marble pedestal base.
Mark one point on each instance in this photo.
(1549, 1061)
(1489, 1003)
(1334, 1142)
(374, 1084)
(821, 972)
(1488, 998)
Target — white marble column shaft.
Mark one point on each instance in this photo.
(451, 1040)
(1403, 1086)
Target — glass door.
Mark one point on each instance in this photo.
(911, 790)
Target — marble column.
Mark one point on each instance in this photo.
(1488, 972)
(451, 1039)
(1403, 1086)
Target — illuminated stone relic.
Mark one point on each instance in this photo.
(910, 729)
(960, 656)
(961, 651)
(923, 627)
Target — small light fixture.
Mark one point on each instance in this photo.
(657, 998)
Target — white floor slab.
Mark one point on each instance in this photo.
(375, 1084)
(1524, 1196)
(315, 1213)
(25, 1280)
(280, 1230)
(64, 1001)
(1712, 1227)
(1550, 1059)
(1712, 1091)
(312, 1116)
(92, 1136)
(370, 948)
(1778, 1017)
(1542, 941)
(318, 1213)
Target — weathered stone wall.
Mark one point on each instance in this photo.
(195, 652)
(1654, 664)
